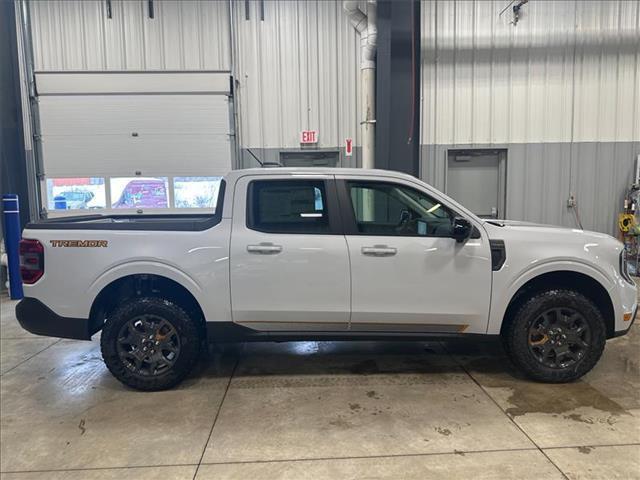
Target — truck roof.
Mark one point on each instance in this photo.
(235, 174)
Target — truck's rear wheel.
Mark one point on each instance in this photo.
(150, 343)
(556, 336)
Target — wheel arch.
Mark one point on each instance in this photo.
(567, 279)
(140, 285)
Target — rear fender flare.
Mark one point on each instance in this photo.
(143, 267)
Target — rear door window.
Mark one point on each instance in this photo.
(288, 206)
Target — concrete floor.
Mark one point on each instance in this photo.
(316, 410)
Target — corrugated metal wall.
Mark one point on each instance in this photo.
(542, 80)
(296, 64)
(78, 35)
(298, 69)
(560, 90)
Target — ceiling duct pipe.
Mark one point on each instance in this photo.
(365, 24)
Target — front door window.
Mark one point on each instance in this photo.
(393, 209)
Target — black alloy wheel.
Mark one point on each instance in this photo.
(559, 337)
(148, 345)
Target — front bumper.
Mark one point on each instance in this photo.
(35, 317)
(620, 333)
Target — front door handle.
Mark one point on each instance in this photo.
(379, 251)
(264, 248)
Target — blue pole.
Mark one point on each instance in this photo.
(12, 233)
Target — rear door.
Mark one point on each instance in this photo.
(289, 259)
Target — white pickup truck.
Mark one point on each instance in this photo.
(322, 254)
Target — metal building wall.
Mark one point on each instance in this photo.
(78, 35)
(296, 64)
(297, 67)
(560, 90)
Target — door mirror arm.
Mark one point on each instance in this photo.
(461, 229)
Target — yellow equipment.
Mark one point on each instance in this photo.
(626, 221)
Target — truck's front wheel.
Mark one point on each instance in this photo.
(556, 336)
(150, 343)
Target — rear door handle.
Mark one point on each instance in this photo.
(379, 251)
(264, 249)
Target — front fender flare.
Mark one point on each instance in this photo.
(503, 294)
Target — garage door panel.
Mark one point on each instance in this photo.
(110, 125)
(117, 155)
(89, 83)
(78, 115)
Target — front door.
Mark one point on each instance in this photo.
(408, 273)
(289, 258)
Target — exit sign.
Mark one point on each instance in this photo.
(308, 136)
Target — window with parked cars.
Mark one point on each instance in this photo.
(194, 193)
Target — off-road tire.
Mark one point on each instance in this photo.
(186, 328)
(516, 335)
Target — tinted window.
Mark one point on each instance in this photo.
(288, 206)
(393, 209)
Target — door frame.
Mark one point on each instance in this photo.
(502, 154)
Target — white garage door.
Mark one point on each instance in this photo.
(133, 141)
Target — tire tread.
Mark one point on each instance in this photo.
(518, 350)
(190, 337)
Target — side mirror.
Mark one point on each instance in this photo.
(461, 229)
